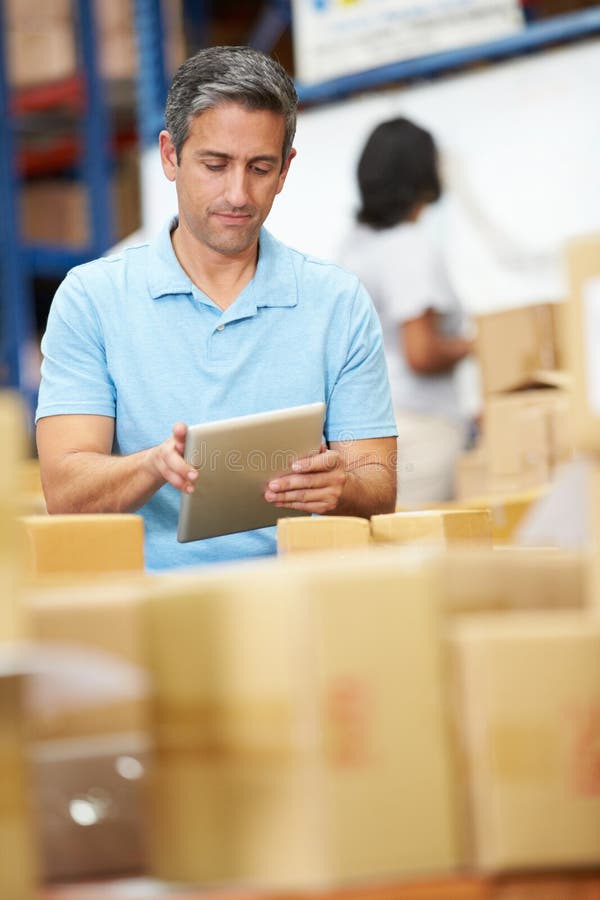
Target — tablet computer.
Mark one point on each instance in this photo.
(235, 460)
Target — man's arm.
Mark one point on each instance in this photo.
(351, 478)
(79, 474)
(427, 349)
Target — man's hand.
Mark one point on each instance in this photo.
(315, 485)
(167, 459)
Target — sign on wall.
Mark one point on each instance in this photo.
(333, 38)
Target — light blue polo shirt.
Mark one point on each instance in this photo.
(130, 336)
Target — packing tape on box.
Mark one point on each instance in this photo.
(256, 730)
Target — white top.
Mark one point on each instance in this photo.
(403, 270)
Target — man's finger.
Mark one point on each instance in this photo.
(320, 462)
(299, 482)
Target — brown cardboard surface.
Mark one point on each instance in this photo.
(444, 527)
(322, 533)
(529, 688)
(511, 345)
(84, 544)
(12, 447)
(104, 617)
(30, 480)
(21, 13)
(528, 430)
(507, 510)
(514, 578)
(583, 264)
(99, 782)
(294, 746)
(17, 857)
(471, 476)
(39, 54)
(56, 210)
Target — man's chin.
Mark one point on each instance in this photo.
(232, 244)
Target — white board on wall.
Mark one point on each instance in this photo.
(521, 140)
(333, 38)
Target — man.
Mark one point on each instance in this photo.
(213, 319)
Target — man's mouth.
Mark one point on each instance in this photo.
(234, 218)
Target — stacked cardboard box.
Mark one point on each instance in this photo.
(302, 712)
(444, 528)
(528, 717)
(300, 725)
(12, 449)
(89, 726)
(42, 42)
(17, 864)
(304, 533)
(83, 544)
(527, 404)
(582, 335)
(17, 858)
(56, 211)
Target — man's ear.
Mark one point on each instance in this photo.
(168, 155)
(285, 170)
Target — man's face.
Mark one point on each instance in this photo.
(228, 175)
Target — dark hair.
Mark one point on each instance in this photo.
(218, 75)
(397, 170)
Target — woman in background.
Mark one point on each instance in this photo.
(391, 251)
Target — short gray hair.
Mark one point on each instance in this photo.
(218, 75)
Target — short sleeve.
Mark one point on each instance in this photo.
(360, 404)
(75, 378)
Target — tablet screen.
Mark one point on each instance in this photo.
(236, 459)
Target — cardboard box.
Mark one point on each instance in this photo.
(20, 13)
(511, 345)
(30, 481)
(529, 689)
(513, 578)
(89, 807)
(37, 55)
(17, 855)
(12, 451)
(507, 510)
(299, 724)
(322, 533)
(443, 527)
(528, 431)
(88, 724)
(84, 544)
(118, 54)
(55, 211)
(97, 627)
(582, 334)
(471, 476)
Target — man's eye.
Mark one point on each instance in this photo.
(259, 171)
(214, 167)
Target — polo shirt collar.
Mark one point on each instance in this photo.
(165, 275)
(274, 282)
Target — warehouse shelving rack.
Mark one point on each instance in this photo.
(21, 261)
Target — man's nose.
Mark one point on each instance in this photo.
(237, 188)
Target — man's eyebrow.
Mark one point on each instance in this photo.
(219, 154)
(212, 153)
